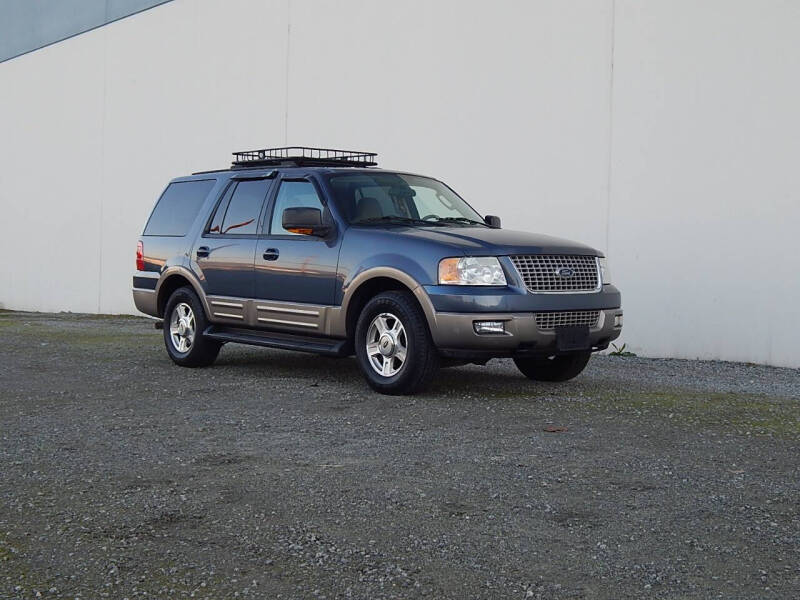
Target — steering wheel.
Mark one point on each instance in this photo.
(428, 217)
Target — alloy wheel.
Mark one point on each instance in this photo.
(387, 344)
(182, 327)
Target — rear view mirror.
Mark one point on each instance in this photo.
(304, 220)
(492, 221)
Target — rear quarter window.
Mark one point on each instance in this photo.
(177, 208)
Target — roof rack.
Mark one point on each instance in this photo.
(302, 156)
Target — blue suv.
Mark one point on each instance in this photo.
(318, 250)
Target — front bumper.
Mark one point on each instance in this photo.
(453, 312)
(454, 334)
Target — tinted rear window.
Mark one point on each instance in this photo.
(245, 206)
(177, 208)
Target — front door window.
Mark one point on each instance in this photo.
(293, 194)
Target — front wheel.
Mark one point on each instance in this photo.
(393, 346)
(555, 368)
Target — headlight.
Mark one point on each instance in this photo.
(605, 274)
(471, 270)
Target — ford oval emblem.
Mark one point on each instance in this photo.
(565, 272)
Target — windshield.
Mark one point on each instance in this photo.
(388, 198)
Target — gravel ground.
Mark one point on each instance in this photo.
(280, 475)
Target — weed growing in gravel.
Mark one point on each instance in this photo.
(620, 351)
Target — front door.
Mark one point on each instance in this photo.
(295, 275)
(225, 252)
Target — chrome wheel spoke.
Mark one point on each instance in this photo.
(372, 349)
(386, 368)
(381, 325)
(400, 354)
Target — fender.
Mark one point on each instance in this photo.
(189, 276)
(339, 323)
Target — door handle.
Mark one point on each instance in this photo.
(203, 252)
(271, 254)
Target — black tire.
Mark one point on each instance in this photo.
(202, 351)
(421, 358)
(556, 368)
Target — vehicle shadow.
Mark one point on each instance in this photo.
(499, 379)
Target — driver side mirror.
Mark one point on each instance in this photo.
(492, 221)
(304, 220)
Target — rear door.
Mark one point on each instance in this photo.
(225, 251)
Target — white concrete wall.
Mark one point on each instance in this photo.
(678, 161)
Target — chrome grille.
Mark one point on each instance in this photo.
(550, 320)
(542, 273)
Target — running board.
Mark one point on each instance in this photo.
(273, 339)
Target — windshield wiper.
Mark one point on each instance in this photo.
(464, 220)
(394, 219)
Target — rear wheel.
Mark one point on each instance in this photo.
(393, 346)
(184, 323)
(554, 368)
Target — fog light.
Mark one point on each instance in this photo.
(618, 321)
(489, 327)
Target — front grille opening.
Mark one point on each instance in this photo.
(550, 320)
(558, 273)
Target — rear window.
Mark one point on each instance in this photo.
(177, 208)
(245, 206)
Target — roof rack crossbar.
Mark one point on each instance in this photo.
(300, 156)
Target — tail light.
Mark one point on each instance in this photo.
(140, 256)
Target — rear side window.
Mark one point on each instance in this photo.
(219, 214)
(242, 210)
(177, 208)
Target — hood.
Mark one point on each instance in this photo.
(499, 242)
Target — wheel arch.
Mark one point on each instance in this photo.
(172, 279)
(372, 282)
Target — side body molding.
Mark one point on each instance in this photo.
(330, 321)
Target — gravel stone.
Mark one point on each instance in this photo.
(281, 475)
